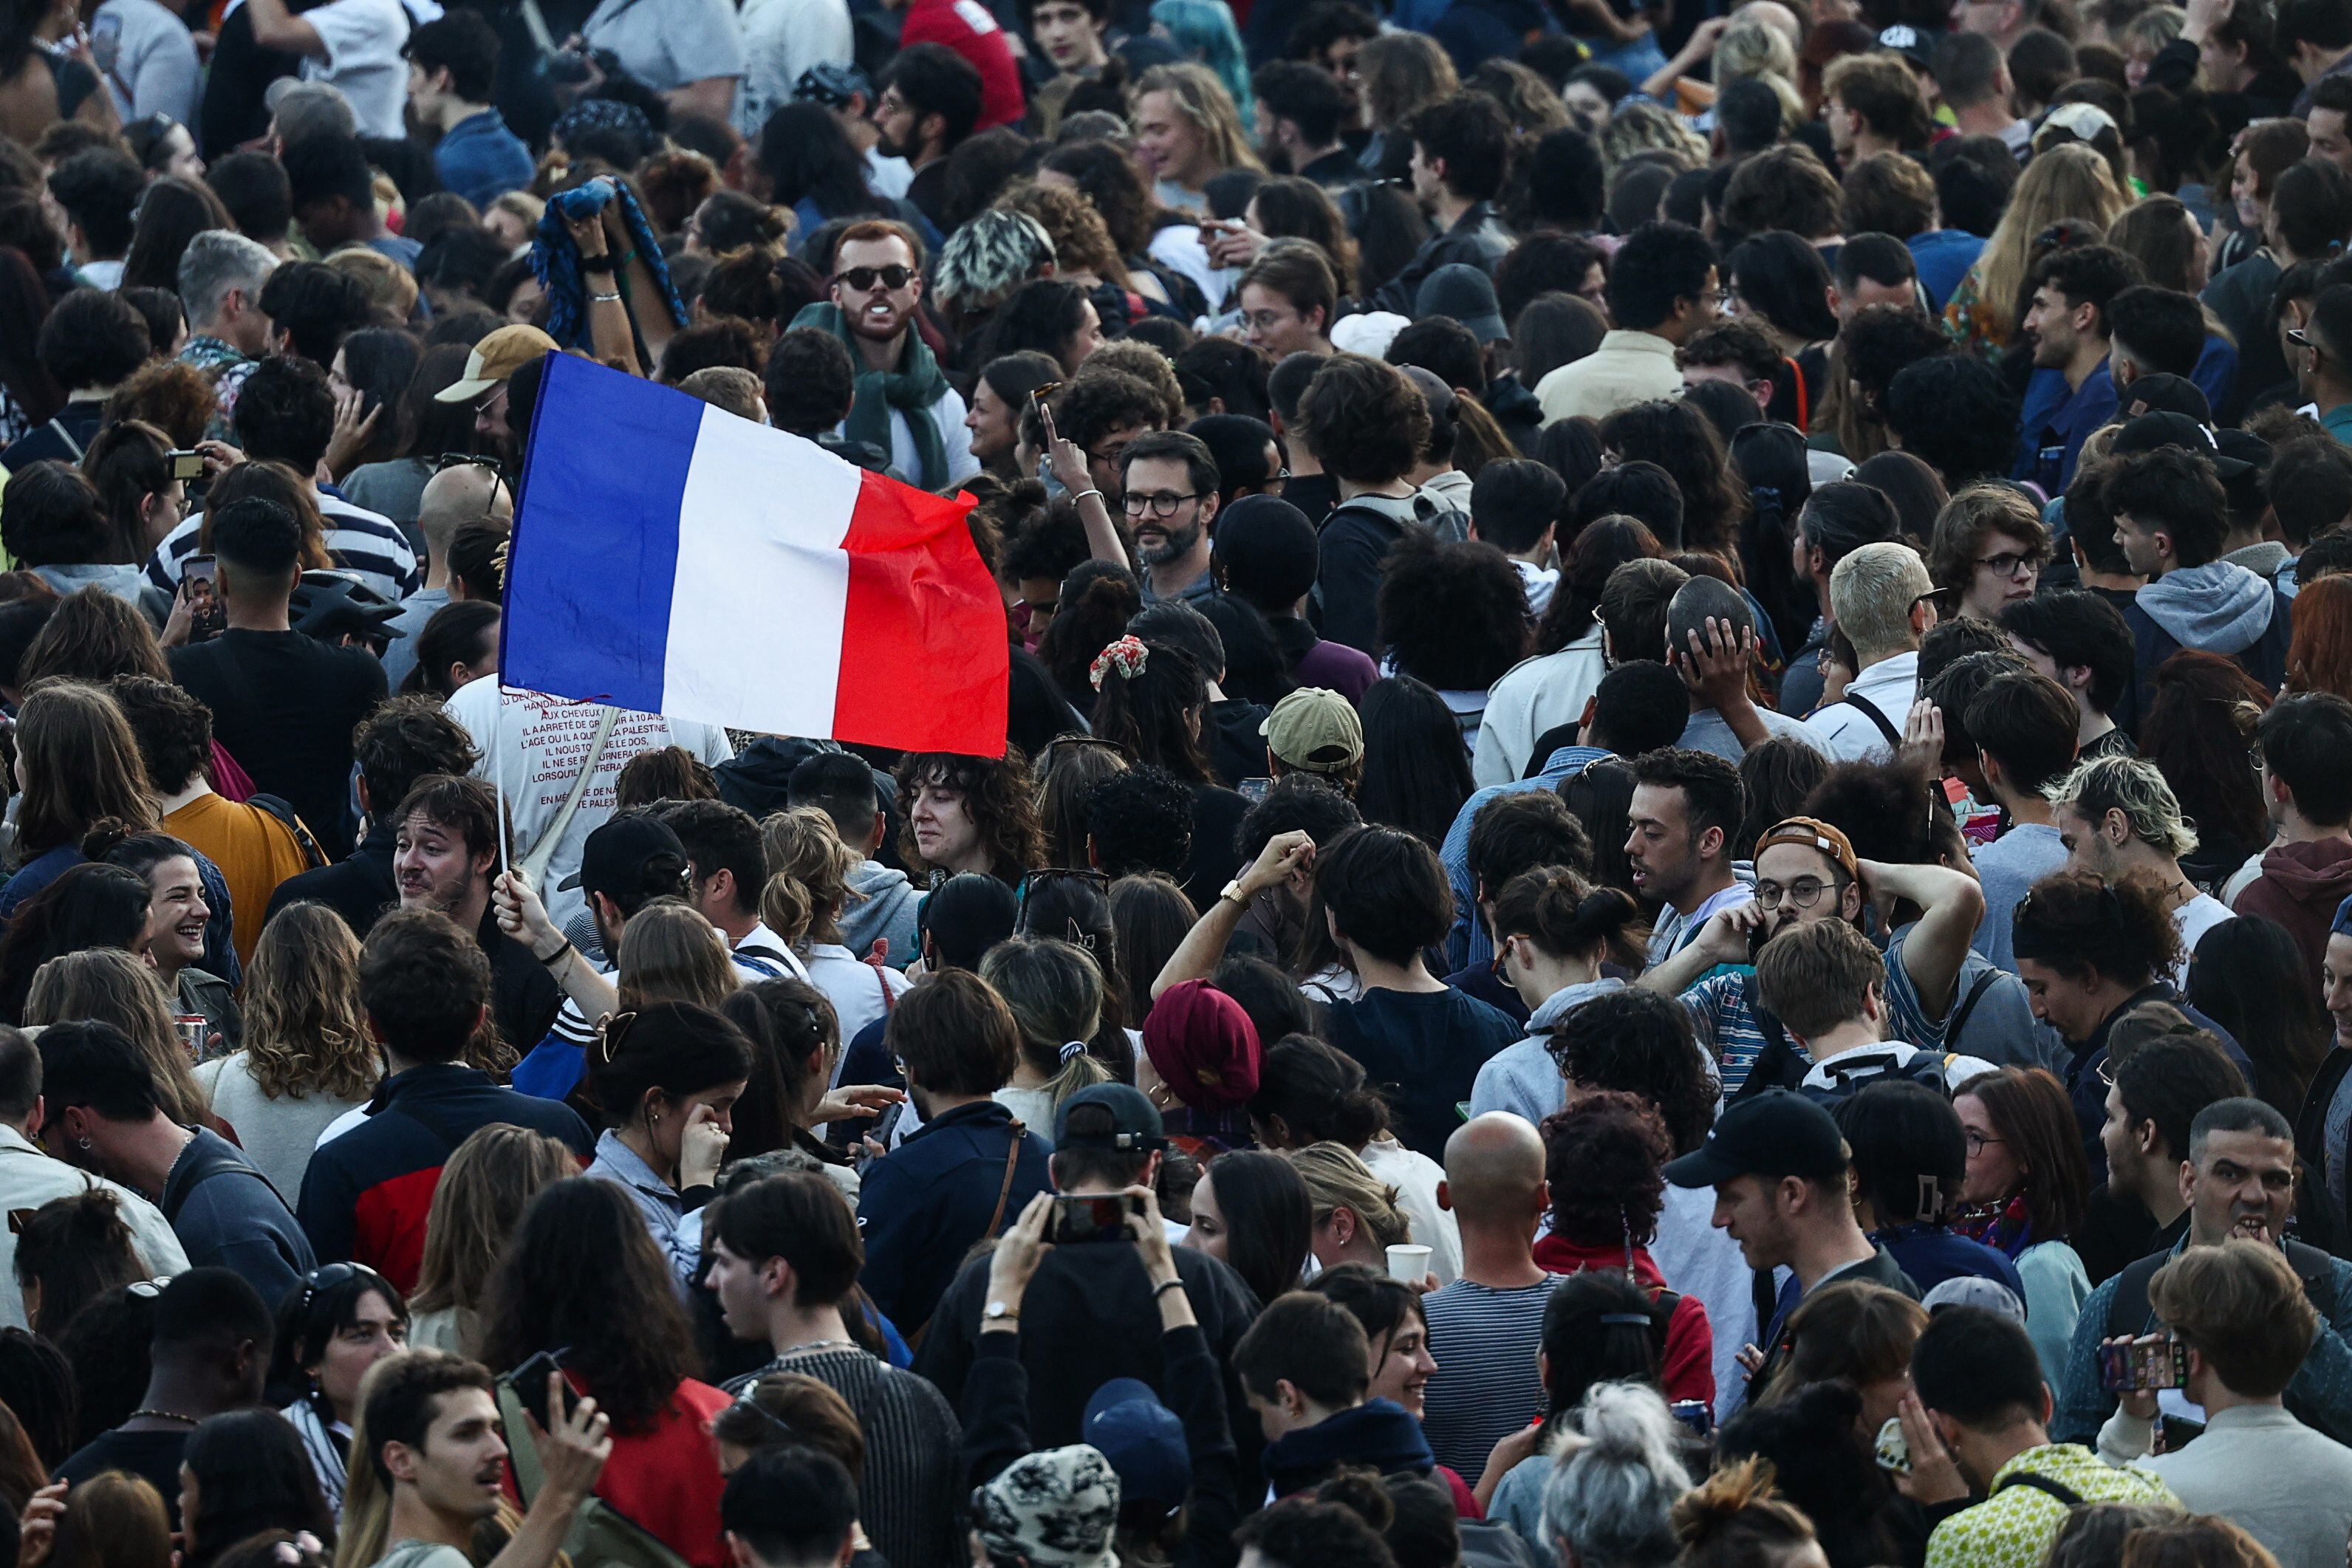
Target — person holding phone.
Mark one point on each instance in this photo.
(1198, 1485)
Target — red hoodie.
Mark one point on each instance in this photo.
(2300, 887)
(1689, 1369)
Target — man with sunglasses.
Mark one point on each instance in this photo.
(904, 404)
(461, 493)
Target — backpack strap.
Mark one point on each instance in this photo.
(1870, 710)
(1004, 1192)
(2065, 1494)
(283, 811)
(1777, 1065)
(1959, 1019)
(2128, 1311)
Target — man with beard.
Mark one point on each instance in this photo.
(445, 850)
(1806, 870)
(2239, 1181)
(2071, 393)
(931, 100)
(1168, 488)
(903, 404)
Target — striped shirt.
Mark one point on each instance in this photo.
(911, 1499)
(1486, 1386)
(369, 545)
(1723, 1010)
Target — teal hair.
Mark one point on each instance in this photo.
(1205, 30)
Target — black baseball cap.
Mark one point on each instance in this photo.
(1776, 1134)
(616, 856)
(2167, 394)
(1115, 1116)
(2147, 432)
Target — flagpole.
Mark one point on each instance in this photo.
(499, 767)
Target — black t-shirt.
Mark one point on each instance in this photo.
(235, 111)
(152, 1456)
(1216, 819)
(285, 705)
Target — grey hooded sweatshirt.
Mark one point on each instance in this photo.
(2217, 608)
(882, 906)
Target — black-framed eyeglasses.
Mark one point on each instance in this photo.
(1978, 1142)
(1160, 503)
(2006, 563)
(865, 278)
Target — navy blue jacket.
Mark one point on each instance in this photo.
(924, 1204)
(2089, 1094)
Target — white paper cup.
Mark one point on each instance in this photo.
(1408, 1262)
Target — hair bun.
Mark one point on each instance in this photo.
(105, 836)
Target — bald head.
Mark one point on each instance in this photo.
(1494, 1167)
(460, 494)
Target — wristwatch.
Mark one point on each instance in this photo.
(1000, 1312)
(1232, 890)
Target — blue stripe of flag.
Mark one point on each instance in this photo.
(593, 563)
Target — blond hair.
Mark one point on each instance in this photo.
(1203, 101)
(2073, 181)
(669, 953)
(106, 985)
(391, 288)
(1337, 1178)
(1752, 47)
(302, 1027)
(808, 876)
(1871, 591)
(1055, 993)
(2137, 788)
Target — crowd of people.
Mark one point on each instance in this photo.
(1670, 881)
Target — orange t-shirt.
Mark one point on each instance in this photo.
(255, 852)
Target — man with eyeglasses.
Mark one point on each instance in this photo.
(1169, 491)
(460, 494)
(1806, 870)
(2238, 1181)
(903, 404)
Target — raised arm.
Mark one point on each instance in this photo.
(1286, 856)
(1951, 904)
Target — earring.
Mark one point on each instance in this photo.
(82, 1144)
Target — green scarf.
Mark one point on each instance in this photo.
(912, 389)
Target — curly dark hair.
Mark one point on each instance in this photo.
(1450, 611)
(1787, 188)
(1139, 821)
(1362, 420)
(2080, 924)
(1109, 180)
(1641, 1043)
(1953, 412)
(1885, 810)
(2198, 731)
(998, 794)
(1604, 1157)
(1097, 599)
(1678, 438)
(1600, 547)
(1880, 340)
(1093, 405)
(582, 1271)
(172, 729)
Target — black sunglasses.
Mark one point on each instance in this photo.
(865, 278)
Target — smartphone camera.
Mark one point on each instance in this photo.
(187, 464)
(1087, 1219)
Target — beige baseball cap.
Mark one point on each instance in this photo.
(1316, 730)
(496, 359)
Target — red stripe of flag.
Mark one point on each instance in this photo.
(924, 665)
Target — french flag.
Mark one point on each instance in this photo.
(670, 557)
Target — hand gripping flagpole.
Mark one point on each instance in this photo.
(499, 770)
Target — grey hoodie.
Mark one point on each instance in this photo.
(881, 905)
(2217, 607)
(1524, 1077)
